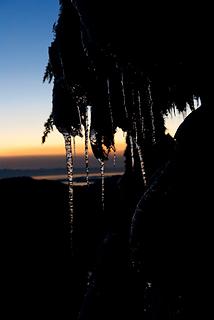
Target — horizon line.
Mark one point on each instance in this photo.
(119, 152)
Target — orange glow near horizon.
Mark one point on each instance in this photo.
(53, 146)
(26, 145)
(31, 151)
(30, 145)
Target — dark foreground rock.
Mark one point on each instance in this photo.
(40, 276)
(31, 246)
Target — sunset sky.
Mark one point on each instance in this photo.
(25, 102)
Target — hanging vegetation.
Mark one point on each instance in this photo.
(132, 64)
(130, 73)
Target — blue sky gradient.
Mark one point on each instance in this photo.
(25, 102)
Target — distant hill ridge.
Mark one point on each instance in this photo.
(9, 173)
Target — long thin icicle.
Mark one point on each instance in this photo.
(140, 114)
(114, 159)
(79, 114)
(127, 117)
(131, 150)
(69, 165)
(86, 144)
(140, 155)
(109, 103)
(151, 113)
(74, 146)
(102, 167)
(124, 95)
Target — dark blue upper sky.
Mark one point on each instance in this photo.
(25, 102)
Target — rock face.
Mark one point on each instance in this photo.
(31, 250)
(171, 234)
(39, 273)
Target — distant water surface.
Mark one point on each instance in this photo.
(78, 179)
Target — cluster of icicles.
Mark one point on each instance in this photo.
(134, 143)
(70, 154)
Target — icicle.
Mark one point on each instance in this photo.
(74, 146)
(79, 114)
(69, 164)
(184, 114)
(151, 113)
(140, 155)
(114, 159)
(141, 163)
(102, 183)
(109, 104)
(86, 144)
(131, 149)
(148, 299)
(124, 96)
(140, 114)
